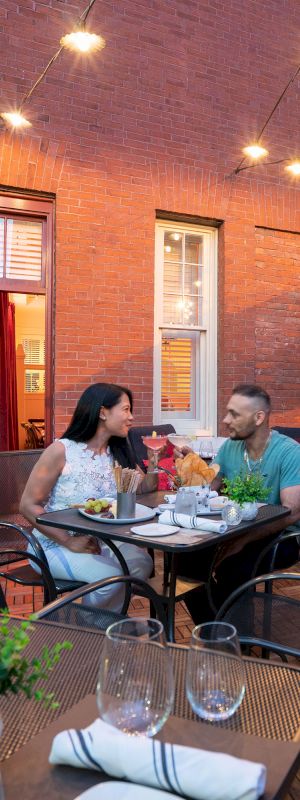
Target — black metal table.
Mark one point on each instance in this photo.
(262, 729)
(267, 522)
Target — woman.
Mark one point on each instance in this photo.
(79, 466)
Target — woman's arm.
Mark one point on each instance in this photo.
(41, 480)
(150, 479)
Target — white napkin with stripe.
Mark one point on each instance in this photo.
(187, 771)
(198, 523)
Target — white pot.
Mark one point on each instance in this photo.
(249, 510)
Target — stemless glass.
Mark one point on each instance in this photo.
(135, 690)
(215, 672)
(186, 502)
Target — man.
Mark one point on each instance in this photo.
(253, 447)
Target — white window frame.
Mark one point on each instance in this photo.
(205, 420)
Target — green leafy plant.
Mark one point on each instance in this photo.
(247, 487)
(17, 673)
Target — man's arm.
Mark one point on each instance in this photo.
(290, 497)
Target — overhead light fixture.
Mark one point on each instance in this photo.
(82, 41)
(255, 151)
(79, 40)
(15, 119)
(294, 167)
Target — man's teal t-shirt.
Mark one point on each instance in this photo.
(279, 465)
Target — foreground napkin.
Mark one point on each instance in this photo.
(199, 523)
(183, 770)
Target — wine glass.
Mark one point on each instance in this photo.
(215, 672)
(179, 440)
(155, 443)
(135, 690)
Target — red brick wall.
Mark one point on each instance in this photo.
(157, 120)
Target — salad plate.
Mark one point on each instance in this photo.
(141, 513)
(120, 790)
(155, 530)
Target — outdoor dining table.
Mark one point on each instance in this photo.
(263, 729)
(268, 522)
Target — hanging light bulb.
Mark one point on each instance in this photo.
(15, 119)
(294, 167)
(255, 151)
(83, 41)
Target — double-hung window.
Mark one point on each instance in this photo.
(185, 346)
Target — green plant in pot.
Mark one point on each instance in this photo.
(246, 489)
(18, 673)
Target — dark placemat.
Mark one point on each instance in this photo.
(271, 707)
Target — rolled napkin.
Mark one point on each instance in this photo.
(184, 770)
(198, 523)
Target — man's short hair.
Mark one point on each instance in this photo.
(254, 392)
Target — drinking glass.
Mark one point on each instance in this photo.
(154, 443)
(186, 502)
(135, 689)
(179, 440)
(215, 672)
(232, 513)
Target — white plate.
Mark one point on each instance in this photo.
(155, 530)
(119, 790)
(141, 512)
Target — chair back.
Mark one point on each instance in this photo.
(11, 558)
(12, 535)
(293, 433)
(15, 468)
(135, 437)
(266, 618)
(102, 618)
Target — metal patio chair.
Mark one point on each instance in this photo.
(68, 610)
(270, 620)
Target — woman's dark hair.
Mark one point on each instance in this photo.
(85, 420)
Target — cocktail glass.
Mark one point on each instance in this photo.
(155, 443)
(179, 440)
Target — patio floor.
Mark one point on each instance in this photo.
(20, 601)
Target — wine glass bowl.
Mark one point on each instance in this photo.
(135, 689)
(179, 440)
(155, 443)
(215, 672)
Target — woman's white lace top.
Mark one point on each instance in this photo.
(84, 475)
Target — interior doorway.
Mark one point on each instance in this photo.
(23, 370)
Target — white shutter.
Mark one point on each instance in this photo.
(180, 371)
(34, 350)
(1, 246)
(24, 250)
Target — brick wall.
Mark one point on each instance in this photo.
(157, 120)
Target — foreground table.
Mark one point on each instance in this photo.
(261, 730)
(268, 522)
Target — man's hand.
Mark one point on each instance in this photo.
(180, 452)
(84, 544)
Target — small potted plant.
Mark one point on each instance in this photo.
(246, 489)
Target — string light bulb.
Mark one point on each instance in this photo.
(255, 151)
(82, 41)
(294, 167)
(15, 119)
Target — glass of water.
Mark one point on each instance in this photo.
(135, 690)
(215, 680)
(186, 502)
